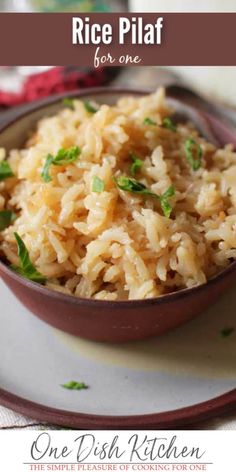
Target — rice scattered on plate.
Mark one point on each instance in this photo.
(90, 237)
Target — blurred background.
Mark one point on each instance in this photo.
(62, 5)
(24, 84)
(119, 5)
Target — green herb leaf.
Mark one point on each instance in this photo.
(98, 185)
(165, 204)
(225, 332)
(89, 107)
(69, 102)
(64, 157)
(168, 123)
(45, 172)
(73, 385)
(193, 153)
(137, 163)
(6, 218)
(166, 208)
(170, 192)
(149, 121)
(133, 186)
(5, 171)
(26, 268)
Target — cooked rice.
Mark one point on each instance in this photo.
(114, 244)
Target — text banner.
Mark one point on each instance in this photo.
(117, 39)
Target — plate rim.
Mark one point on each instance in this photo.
(172, 419)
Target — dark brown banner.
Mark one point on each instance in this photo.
(186, 39)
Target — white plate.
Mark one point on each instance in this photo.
(188, 366)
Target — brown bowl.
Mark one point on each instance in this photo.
(107, 320)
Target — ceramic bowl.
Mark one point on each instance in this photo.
(97, 320)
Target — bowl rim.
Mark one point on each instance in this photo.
(28, 109)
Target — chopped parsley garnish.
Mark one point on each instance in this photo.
(89, 107)
(6, 218)
(5, 170)
(69, 102)
(45, 172)
(98, 185)
(149, 121)
(73, 385)
(168, 123)
(137, 163)
(133, 186)
(164, 200)
(26, 268)
(225, 332)
(64, 157)
(193, 153)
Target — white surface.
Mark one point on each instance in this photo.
(212, 451)
(215, 82)
(218, 82)
(35, 360)
(95, 450)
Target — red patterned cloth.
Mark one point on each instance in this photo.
(57, 80)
